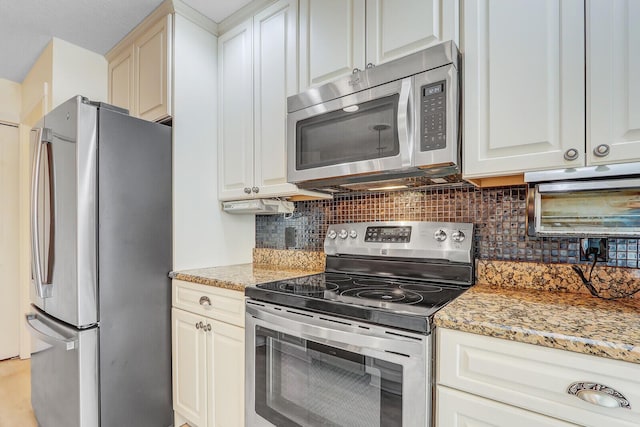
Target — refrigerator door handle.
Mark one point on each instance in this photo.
(46, 141)
(56, 340)
(42, 290)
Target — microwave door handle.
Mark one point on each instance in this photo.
(405, 121)
(35, 229)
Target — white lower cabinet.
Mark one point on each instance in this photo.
(208, 359)
(486, 381)
(459, 409)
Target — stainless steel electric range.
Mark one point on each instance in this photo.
(352, 346)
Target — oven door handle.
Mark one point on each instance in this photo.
(342, 334)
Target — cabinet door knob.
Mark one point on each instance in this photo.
(255, 190)
(598, 394)
(601, 150)
(247, 190)
(370, 65)
(208, 327)
(355, 71)
(198, 325)
(205, 301)
(571, 154)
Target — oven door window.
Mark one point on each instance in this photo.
(304, 383)
(360, 132)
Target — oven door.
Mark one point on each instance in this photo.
(307, 369)
(366, 132)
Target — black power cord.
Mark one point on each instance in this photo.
(589, 284)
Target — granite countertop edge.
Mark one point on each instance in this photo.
(239, 276)
(549, 319)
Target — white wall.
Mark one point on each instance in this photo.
(10, 101)
(204, 236)
(77, 71)
(10, 218)
(9, 241)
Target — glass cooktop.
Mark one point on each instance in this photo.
(405, 304)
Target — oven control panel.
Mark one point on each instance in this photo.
(390, 234)
(402, 239)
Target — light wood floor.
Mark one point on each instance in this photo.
(15, 394)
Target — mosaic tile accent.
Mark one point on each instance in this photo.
(498, 213)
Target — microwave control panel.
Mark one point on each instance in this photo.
(433, 114)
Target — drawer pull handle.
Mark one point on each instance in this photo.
(205, 302)
(599, 394)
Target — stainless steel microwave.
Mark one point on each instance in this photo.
(390, 125)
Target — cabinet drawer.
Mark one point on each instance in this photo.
(459, 409)
(536, 378)
(225, 305)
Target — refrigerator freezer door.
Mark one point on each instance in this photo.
(64, 379)
(64, 214)
(135, 256)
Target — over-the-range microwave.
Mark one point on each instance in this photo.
(388, 126)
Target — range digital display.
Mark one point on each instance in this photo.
(388, 234)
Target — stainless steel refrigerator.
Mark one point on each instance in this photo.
(101, 252)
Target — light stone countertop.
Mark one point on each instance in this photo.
(552, 318)
(563, 320)
(237, 277)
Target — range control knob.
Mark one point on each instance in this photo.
(440, 235)
(332, 234)
(353, 234)
(343, 234)
(458, 236)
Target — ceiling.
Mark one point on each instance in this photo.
(26, 26)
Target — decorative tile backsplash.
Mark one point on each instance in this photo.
(498, 213)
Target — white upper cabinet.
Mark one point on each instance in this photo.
(121, 79)
(331, 39)
(613, 81)
(152, 78)
(140, 71)
(257, 65)
(523, 85)
(338, 36)
(275, 78)
(235, 108)
(396, 29)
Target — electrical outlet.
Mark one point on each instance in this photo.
(590, 246)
